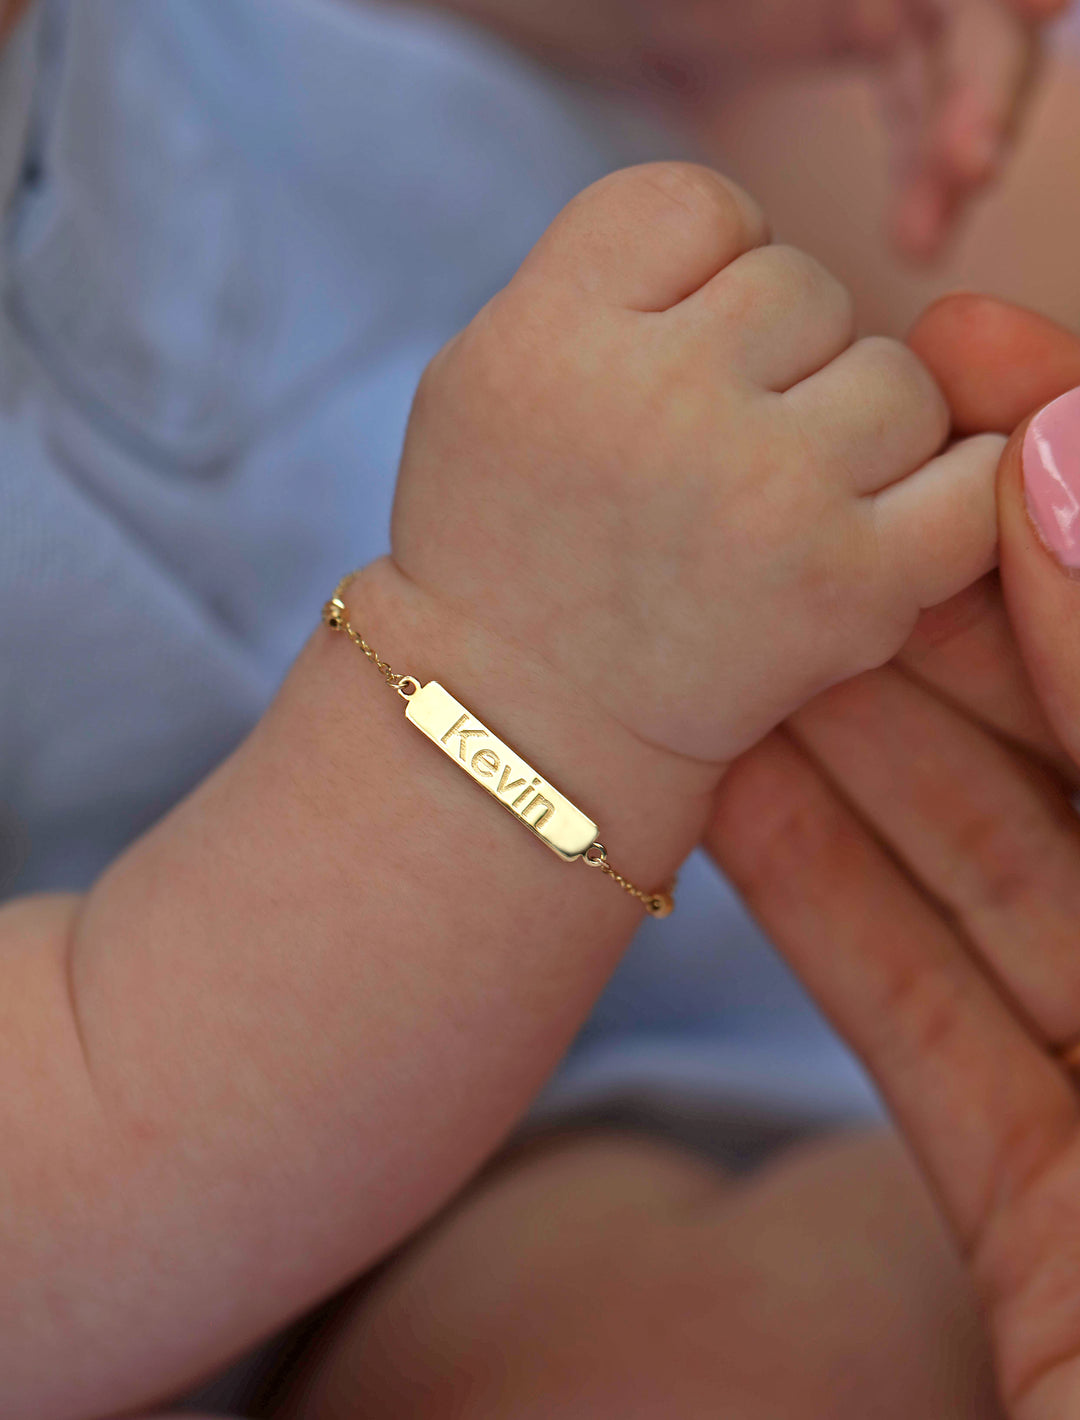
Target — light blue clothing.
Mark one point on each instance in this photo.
(236, 232)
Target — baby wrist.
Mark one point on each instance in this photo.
(492, 688)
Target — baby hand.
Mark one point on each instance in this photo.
(657, 461)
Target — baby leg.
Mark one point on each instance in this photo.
(595, 1276)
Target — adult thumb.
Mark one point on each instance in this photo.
(1039, 513)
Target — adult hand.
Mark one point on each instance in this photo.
(966, 649)
(923, 876)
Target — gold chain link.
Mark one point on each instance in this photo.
(335, 615)
(657, 904)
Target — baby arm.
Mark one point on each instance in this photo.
(652, 500)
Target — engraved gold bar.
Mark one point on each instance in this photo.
(501, 771)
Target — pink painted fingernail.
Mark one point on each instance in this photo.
(1052, 477)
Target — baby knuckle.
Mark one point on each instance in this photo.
(496, 370)
(840, 299)
(512, 349)
(888, 359)
(704, 197)
(804, 277)
(903, 381)
(795, 281)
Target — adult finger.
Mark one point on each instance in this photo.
(995, 362)
(965, 651)
(982, 1104)
(1039, 516)
(982, 831)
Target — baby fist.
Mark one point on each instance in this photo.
(659, 461)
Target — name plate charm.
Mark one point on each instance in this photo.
(495, 766)
(501, 771)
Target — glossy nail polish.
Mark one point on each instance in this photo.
(1052, 477)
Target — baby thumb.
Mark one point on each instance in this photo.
(1039, 513)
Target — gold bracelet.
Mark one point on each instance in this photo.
(495, 766)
